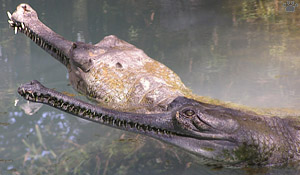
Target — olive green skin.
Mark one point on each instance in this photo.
(222, 136)
(115, 73)
(123, 78)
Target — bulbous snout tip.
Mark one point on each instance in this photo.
(30, 87)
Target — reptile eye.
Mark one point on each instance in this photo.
(189, 112)
(74, 46)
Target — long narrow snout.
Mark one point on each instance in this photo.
(25, 20)
(142, 123)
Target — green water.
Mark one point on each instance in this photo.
(241, 51)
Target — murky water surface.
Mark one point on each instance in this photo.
(241, 51)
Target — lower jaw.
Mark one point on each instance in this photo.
(47, 46)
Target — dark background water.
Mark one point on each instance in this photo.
(241, 51)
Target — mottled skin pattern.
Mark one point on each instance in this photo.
(115, 73)
(122, 77)
(222, 136)
(112, 72)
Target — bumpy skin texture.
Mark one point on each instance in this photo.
(113, 72)
(122, 77)
(221, 135)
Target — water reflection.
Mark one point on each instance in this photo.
(244, 51)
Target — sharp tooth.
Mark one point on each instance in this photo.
(22, 24)
(8, 14)
(16, 30)
(10, 21)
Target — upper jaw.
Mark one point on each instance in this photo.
(20, 21)
(22, 15)
(160, 126)
(25, 20)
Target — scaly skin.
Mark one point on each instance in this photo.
(123, 78)
(112, 72)
(221, 135)
(115, 73)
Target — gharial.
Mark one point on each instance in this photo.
(136, 93)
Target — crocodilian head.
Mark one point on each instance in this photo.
(187, 124)
(75, 56)
(25, 20)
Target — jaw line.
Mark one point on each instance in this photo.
(206, 148)
(160, 126)
(39, 33)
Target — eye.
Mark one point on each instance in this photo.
(74, 46)
(189, 112)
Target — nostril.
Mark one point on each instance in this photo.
(119, 65)
(24, 6)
